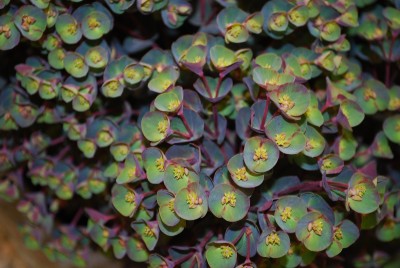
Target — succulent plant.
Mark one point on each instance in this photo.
(182, 133)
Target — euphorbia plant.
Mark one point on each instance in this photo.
(190, 133)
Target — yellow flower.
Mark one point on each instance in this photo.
(112, 85)
(338, 235)
(193, 200)
(286, 103)
(130, 197)
(260, 154)
(72, 28)
(235, 30)
(327, 164)
(148, 232)
(95, 56)
(369, 94)
(273, 239)
(179, 172)
(241, 174)
(173, 105)
(78, 63)
(162, 127)
(93, 23)
(316, 226)
(281, 140)
(160, 164)
(286, 214)
(357, 192)
(171, 205)
(226, 252)
(229, 198)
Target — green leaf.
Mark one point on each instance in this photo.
(155, 126)
(315, 231)
(68, 29)
(391, 128)
(260, 155)
(169, 101)
(126, 201)
(330, 164)
(288, 136)
(221, 254)
(191, 202)
(154, 162)
(148, 231)
(241, 175)
(31, 22)
(273, 244)
(292, 99)
(362, 195)
(289, 210)
(178, 175)
(75, 65)
(229, 203)
(167, 213)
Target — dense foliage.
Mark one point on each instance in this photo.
(184, 133)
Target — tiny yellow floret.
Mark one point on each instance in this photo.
(286, 214)
(193, 200)
(179, 172)
(160, 164)
(369, 94)
(281, 140)
(226, 252)
(148, 232)
(260, 154)
(357, 192)
(327, 164)
(229, 198)
(93, 23)
(162, 127)
(338, 235)
(171, 205)
(173, 105)
(273, 239)
(316, 227)
(286, 103)
(235, 30)
(130, 197)
(241, 174)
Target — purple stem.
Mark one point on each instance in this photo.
(77, 216)
(207, 86)
(185, 122)
(215, 113)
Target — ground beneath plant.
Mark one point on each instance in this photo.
(14, 254)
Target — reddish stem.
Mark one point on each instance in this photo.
(144, 195)
(62, 153)
(57, 141)
(77, 216)
(338, 184)
(215, 113)
(185, 122)
(239, 236)
(248, 233)
(182, 134)
(183, 259)
(206, 85)
(264, 118)
(202, 10)
(218, 86)
(205, 240)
